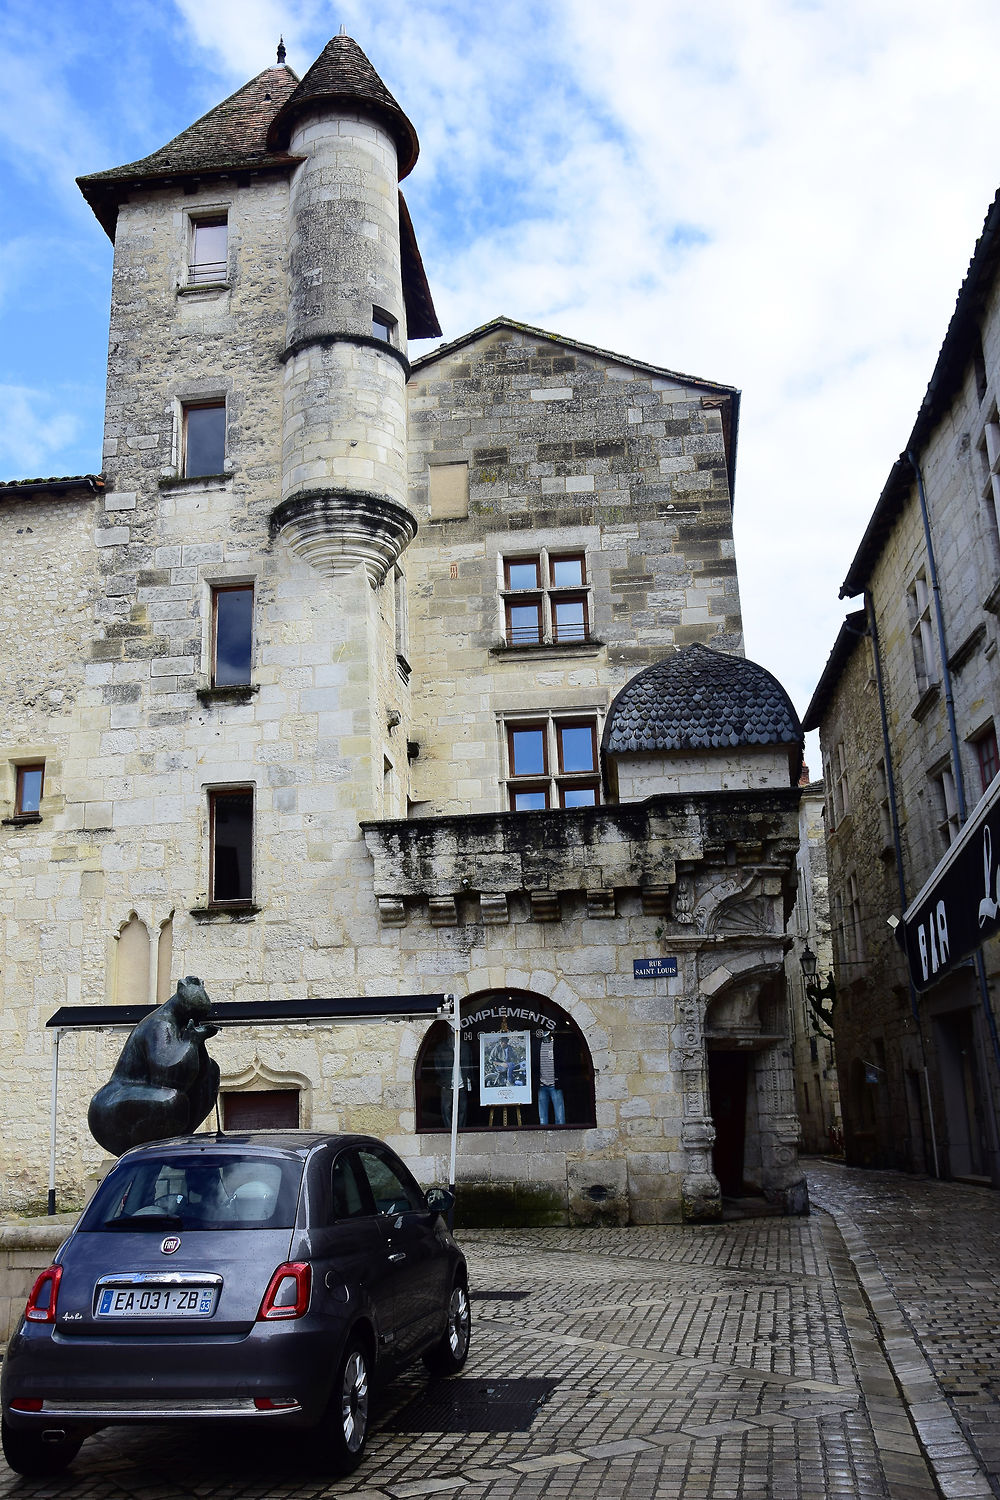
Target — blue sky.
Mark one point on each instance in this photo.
(780, 196)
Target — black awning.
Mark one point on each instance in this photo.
(264, 1012)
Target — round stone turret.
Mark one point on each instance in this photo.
(344, 435)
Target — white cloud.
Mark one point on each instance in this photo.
(783, 196)
(35, 426)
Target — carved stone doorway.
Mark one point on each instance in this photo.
(727, 1092)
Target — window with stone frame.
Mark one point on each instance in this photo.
(208, 250)
(203, 438)
(551, 761)
(987, 756)
(546, 598)
(922, 633)
(232, 634)
(384, 326)
(946, 804)
(231, 830)
(29, 785)
(838, 793)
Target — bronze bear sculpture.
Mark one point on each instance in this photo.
(164, 1083)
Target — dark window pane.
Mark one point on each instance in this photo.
(524, 623)
(204, 440)
(347, 1200)
(527, 751)
(29, 788)
(528, 801)
(382, 325)
(232, 846)
(523, 575)
(579, 796)
(233, 635)
(393, 1193)
(570, 620)
(576, 748)
(567, 572)
(209, 250)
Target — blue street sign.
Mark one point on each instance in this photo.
(654, 968)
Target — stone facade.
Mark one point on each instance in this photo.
(816, 1086)
(391, 839)
(919, 1078)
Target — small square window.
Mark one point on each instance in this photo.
(383, 325)
(209, 249)
(522, 573)
(232, 635)
(560, 611)
(30, 781)
(231, 852)
(527, 751)
(204, 438)
(524, 623)
(568, 572)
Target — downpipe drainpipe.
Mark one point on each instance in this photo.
(897, 844)
(956, 763)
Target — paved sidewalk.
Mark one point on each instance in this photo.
(717, 1362)
(928, 1256)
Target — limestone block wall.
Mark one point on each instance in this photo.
(571, 452)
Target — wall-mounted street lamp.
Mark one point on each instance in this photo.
(822, 997)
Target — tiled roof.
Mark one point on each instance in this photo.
(231, 137)
(342, 71)
(700, 699)
(92, 482)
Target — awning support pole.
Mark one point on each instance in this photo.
(57, 1036)
(456, 1085)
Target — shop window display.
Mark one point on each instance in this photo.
(525, 1065)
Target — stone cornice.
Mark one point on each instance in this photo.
(336, 529)
(594, 851)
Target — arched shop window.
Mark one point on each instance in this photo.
(525, 1066)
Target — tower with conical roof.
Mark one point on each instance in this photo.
(249, 649)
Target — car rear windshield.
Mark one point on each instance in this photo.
(209, 1190)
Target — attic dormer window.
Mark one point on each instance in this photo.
(209, 249)
(383, 326)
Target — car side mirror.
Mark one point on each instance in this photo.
(440, 1200)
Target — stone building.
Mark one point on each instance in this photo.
(816, 1086)
(357, 677)
(907, 710)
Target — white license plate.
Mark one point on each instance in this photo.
(156, 1302)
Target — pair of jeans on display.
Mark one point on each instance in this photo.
(549, 1095)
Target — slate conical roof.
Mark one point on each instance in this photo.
(230, 137)
(343, 73)
(700, 699)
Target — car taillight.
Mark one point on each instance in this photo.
(26, 1403)
(41, 1306)
(287, 1295)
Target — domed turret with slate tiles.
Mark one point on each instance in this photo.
(699, 699)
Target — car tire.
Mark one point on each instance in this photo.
(27, 1454)
(339, 1442)
(449, 1354)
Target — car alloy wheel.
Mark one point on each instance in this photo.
(354, 1400)
(449, 1354)
(459, 1322)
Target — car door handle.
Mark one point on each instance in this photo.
(398, 1255)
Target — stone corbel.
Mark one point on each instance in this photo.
(545, 906)
(443, 911)
(655, 900)
(601, 903)
(391, 911)
(494, 909)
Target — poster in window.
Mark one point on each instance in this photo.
(504, 1067)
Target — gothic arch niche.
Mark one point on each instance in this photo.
(286, 1097)
(132, 963)
(530, 1021)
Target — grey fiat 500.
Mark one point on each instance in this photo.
(266, 1277)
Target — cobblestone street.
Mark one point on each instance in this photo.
(731, 1360)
